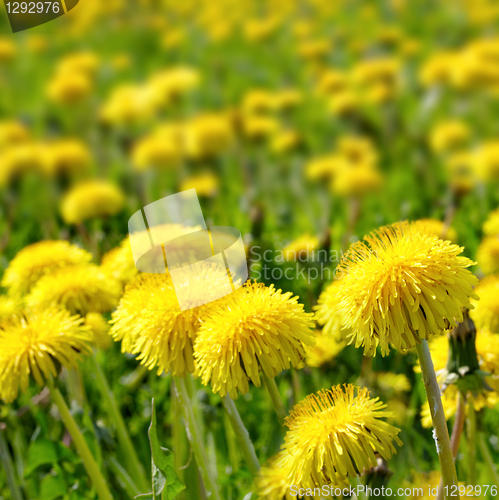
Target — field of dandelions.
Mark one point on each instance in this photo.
(355, 145)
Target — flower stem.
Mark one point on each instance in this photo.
(194, 436)
(471, 428)
(440, 432)
(275, 397)
(484, 450)
(457, 431)
(242, 435)
(89, 462)
(8, 467)
(135, 467)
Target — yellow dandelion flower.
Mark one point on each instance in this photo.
(8, 50)
(80, 289)
(8, 306)
(400, 286)
(149, 322)
(332, 81)
(491, 225)
(487, 255)
(357, 150)
(486, 161)
(284, 140)
(208, 135)
(344, 102)
(69, 88)
(174, 82)
(393, 382)
(90, 199)
(272, 482)
(325, 167)
(99, 328)
(67, 156)
(258, 101)
(448, 135)
(259, 127)
(33, 344)
(486, 312)
(437, 228)
(12, 132)
(39, 259)
(85, 63)
(119, 262)
(326, 312)
(487, 347)
(326, 348)
(205, 184)
(155, 151)
(314, 49)
(254, 327)
(287, 99)
(19, 159)
(335, 434)
(357, 181)
(300, 248)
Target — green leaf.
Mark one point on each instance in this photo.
(165, 481)
(53, 487)
(40, 452)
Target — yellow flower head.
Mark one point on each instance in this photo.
(358, 151)
(99, 328)
(258, 101)
(8, 306)
(326, 312)
(487, 255)
(208, 135)
(491, 225)
(390, 382)
(90, 199)
(357, 181)
(34, 344)
(85, 63)
(8, 50)
(20, 159)
(272, 482)
(325, 349)
(205, 184)
(69, 88)
(461, 170)
(12, 132)
(344, 102)
(174, 82)
(486, 312)
(149, 322)
(325, 167)
(301, 247)
(284, 140)
(486, 161)
(259, 127)
(67, 156)
(335, 434)
(80, 289)
(39, 259)
(332, 81)
(254, 327)
(448, 135)
(436, 228)
(157, 151)
(400, 285)
(119, 263)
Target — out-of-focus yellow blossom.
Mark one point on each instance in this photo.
(344, 102)
(37, 43)
(12, 132)
(325, 349)
(438, 68)
(89, 199)
(79, 289)
(425, 484)
(410, 47)
(462, 177)
(175, 82)
(449, 135)
(393, 382)
(85, 63)
(8, 306)
(8, 50)
(208, 135)
(389, 35)
(314, 49)
(120, 62)
(284, 140)
(332, 81)
(20, 159)
(487, 255)
(157, 151)
(256, 327)
(39, 259)
(336, 434)
(287, 99)
(486, 161)
(399, 411)
(376, 70)
(205, 184)
(33, 343)
(173, 38)
(99, 328)
(256, 30)
(303, 28)
(379, 93)
(486, 312)
(357, 150)
(300, 248)
(130, 104)
(357, 181)
(272, 482)
(69, 88)
(259, 127)
(119, 263)
(471, 71)
(67, 156)
(258, 101)
(325, 167)
(491, 225)
(437, 228)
